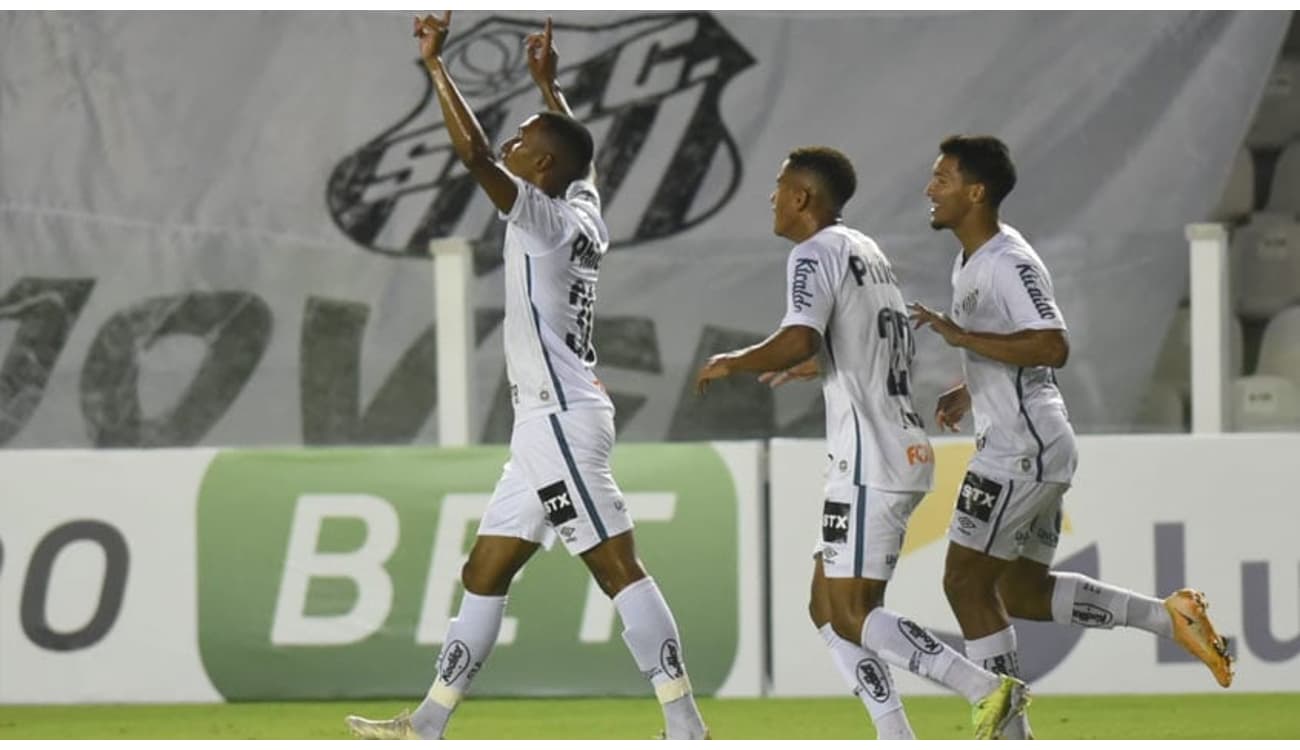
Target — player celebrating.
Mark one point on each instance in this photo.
(841, 290)
(1006, 525)
(558, 479)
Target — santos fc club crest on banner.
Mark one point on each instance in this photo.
(648, 88)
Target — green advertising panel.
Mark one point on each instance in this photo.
(331, 573)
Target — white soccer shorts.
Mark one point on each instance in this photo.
(558, 482)
(862, 530)
(1008, 518)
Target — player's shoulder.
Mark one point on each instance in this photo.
(582, 191)
(1011, 251)
(838, 241)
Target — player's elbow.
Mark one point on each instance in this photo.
(804, 342)
(1057, 351)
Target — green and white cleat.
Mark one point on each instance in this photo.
(396, 728)
(996, 710)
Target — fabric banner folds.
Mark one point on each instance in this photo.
(213, 226)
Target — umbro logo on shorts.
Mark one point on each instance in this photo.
(835, 522)
(557, 504)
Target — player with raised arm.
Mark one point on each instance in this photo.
(1004, 532)
(558, 479)
(845, 318)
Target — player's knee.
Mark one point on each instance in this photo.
(817, 613)
(615, 575)
(1021, 592)
(847, 623)
(962, 586)
(483, 580)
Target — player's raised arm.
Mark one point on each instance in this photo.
(543, 62)
(467, 135)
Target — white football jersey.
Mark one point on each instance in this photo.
(1022, 429)
(840, 283)
(553, 250)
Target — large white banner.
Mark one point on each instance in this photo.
(1151, 514)
(204, 575)
(213, 226)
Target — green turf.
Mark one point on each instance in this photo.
(1216, 716)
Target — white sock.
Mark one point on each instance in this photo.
(872, 682)
(997, 654)
(650, 633)
(470, 638)
(1080, 600)
(906, 644)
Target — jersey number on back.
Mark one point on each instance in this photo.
(893, 328)
(582, 298)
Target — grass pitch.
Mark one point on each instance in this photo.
(1163, 717)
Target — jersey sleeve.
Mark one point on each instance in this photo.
(545, 219)
(810, 278)
(1025, 289)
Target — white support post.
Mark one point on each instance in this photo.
(453, 277)
(1208, 256)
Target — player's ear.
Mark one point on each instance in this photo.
(545, 162)
(977, 192)
(802, 198)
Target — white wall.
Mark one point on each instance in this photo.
(1231, 498)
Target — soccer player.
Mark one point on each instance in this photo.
(845, 319)
(558, 480)
(1012, 335)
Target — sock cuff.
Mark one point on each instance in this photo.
(671, 690)
(1063, 587)
(828, 633)
(1001, 642)
(444, 695)
(633, 589)
(475, 603)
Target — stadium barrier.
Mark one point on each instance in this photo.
(206, 575)
(1149, 513)
(209, 575)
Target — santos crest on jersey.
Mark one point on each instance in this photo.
(1022, 429)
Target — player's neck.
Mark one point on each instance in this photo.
(975, 232)
(811, 228)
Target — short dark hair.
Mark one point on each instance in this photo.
(574, 142)
(984, 159)
(831, 166)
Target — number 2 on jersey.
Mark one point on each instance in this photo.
(892, 326)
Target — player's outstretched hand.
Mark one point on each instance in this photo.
(432, 33)
(806, 370)
(718, 367)
(543, 60)
(942, 324)
(952, 407)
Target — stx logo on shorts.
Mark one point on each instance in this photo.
(555, 501)
(919, 637)
(978, 496)
(455, 659)
(871, 680)
(649, 86)
(835, 522)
